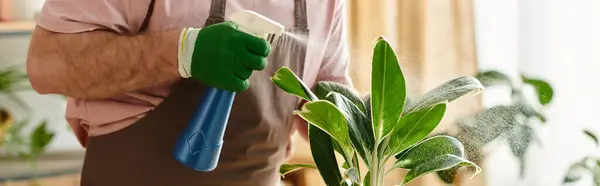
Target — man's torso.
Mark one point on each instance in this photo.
(99, 117)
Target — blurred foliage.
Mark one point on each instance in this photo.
(510, 122)
(13, 80)
(588, 165)
(13, 140)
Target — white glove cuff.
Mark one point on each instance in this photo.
(185, 49)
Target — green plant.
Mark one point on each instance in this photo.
(13, 141)
(588, 164)
(513, 122)
(12, 80)
(26, 147)
(380, 127)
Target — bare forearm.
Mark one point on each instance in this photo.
(100, 64)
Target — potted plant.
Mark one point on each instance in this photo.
(379, 127)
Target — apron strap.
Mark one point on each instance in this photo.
(148, 17)
(217, 12)
(300, 14)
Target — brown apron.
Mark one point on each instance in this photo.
(255, 141)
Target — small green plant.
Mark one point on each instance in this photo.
(13, 141)
(379, 127)
(513, 122)
(589, 165)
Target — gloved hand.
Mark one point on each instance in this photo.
(221, 56)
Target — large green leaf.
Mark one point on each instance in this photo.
(427, 149)
(388, 89)
(338, 148)
(439, 163)
(323, 89)
(322, 152)
(289, 168)
(415, 126)
(287, 81)
(324, 115)
(367, 101)
(430, 148)
(449, 175)
(361, 133)
(321, 144)
(493, 77)
(358, 123)
(543, 89)
(448, 91)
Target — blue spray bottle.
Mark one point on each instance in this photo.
(199, 145)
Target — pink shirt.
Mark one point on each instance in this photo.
(326, 58)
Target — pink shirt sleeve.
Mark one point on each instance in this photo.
(335, 65)
(72, 16)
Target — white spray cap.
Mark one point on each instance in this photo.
(256, 24)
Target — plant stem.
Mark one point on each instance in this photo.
(381, 174)
(374, 170)
(375, 166)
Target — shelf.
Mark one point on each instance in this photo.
(17, 27)
(48, 165)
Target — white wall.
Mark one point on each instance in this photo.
(559, 42)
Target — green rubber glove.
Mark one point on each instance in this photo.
(221, 56)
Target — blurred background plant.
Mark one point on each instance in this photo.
(514, 122)
(589, 165)
(14, 141)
